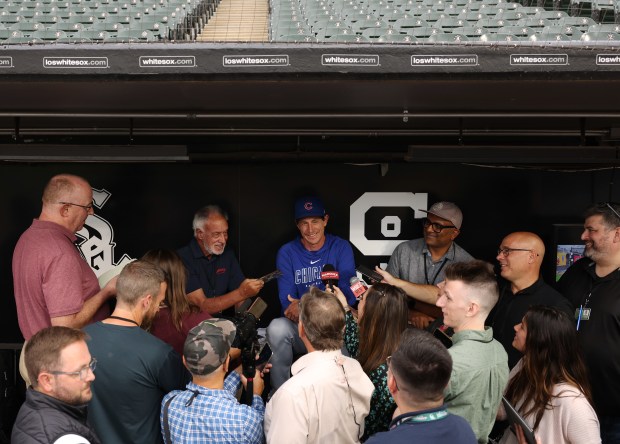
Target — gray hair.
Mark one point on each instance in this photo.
(204, 213)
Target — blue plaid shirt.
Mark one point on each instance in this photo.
(213, 416)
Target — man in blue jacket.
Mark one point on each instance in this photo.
(301, 262)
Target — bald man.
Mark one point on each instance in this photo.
(520, 256)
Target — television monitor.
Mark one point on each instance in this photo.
(568, 247)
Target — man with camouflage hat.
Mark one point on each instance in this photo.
(207, 411)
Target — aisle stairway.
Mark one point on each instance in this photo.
(238, 21)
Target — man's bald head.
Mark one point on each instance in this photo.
(520, 257)
(63, 187)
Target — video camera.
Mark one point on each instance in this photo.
(246, 340)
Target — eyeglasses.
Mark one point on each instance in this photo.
(82, 373)
(506, 251)
(86, 207)
(435, 226)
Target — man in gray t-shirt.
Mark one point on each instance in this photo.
(421, 261)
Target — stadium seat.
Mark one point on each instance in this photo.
(447, 38)
(605, 27)
(533, 22)
(397, 38)
(581, 23)
(491, 23)
(22, 41)
(424, 32)
(519, 31)
(347, 38)
(551, 36)
(603, 10)
(470, 31)
(297, 38)
(500, 38)
(551, 15)
(324, 33)
(569, 30)
(48, 34)
(404, 25)
(600, 36)
(472, 16)
(449, 23)
(433, 16)
(511, 15)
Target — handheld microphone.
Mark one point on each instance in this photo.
(358, 287)
(330, 276)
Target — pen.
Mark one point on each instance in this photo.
(579, 317)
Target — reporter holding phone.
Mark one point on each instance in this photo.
(382, 317)
(549, 386)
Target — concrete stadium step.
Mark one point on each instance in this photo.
(238, 21)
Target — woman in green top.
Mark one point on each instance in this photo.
(375, 335)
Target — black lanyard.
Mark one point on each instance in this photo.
(445, 259)
(422, 417)
(124, 319)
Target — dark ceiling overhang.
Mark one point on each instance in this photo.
(555, 115)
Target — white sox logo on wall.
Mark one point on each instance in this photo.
(97, 238)
(390, 224)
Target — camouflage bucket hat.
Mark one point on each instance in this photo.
(207, 345)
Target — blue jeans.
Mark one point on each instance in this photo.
(610, 429)
(284, 341)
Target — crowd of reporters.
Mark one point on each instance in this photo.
(344, 368)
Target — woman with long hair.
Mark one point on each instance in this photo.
(176, 316)
(549, 386)
(382, 317)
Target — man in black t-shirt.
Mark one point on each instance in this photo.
(520, 256)
(592, 285)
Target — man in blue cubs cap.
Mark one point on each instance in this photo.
(301, 262)
(208, 411)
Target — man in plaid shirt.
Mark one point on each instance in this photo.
(207, 411)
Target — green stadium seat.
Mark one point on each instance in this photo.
(472, 16)
(581, 23)
(470, 31)
(519, 31)
(534, 22)
(346, 38)
(49, 34)
(447, 38)
(568, 30)
(397, 38)
(22, 41)
(605, 27)
(551, 15)
(449, 22)
(601, 36)
(551, 36)
(404, 25)
(424, 32)
(603, 10)
(500, 38)
(297, 38)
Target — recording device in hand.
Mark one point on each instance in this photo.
(264, 357)
(330, 276)
(372, 276)
(246, 339)
(517, 420)
(270, 276)
(358, 287)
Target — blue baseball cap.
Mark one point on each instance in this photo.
(309, 207)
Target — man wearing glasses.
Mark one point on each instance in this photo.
(61, 370)
(592, 285)
(520, 256)
(53, 283)
(423, 261)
